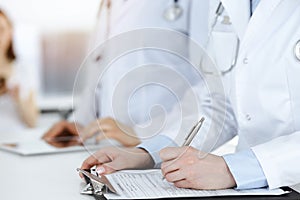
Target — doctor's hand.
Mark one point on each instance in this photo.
(108, 128)
(111, 159)
(15, 93)
(63, 134)
(26, 106)
(188, 167)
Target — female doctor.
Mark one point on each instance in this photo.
(116, 17)
(265, 100)
(18, 109)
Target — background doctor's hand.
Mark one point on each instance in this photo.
(188, 167)
(111, 159)
(108, 128)
(26, 106)
(63, 134)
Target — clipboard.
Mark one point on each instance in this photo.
(293, 195)
(98, 185)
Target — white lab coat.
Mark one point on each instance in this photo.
(264, 99)
(10, 118)
(265, 94)
(134, 109)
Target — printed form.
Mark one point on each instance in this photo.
(148, 184)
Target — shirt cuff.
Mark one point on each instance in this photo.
(246, 170)
(154, 145)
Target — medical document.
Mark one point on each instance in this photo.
(148, 184)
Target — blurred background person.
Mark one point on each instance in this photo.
(96, 112)
(18, 108)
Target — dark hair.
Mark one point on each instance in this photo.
(10, 53)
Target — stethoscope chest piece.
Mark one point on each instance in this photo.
(297, 50)
(173, 13)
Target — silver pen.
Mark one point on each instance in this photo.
(189, 138)
(193, 132)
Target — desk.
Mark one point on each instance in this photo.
(44, 177)
(40, 177)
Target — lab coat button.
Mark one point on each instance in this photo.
(245, 61)
(98, 58)
(99, 86)
(248, 117)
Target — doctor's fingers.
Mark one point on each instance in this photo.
(67, 142)
(97, 158)
(175, 176)
(170, 166)
(183, 184)
(171, 153)
(128, 158)
(53, 131)
(56, 129)
(89, 131)
(93, 128)
(110, 167)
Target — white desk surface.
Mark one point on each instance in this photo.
(45, 177)
(40, 177)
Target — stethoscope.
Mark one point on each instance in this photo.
(219, 11)
(174, 12)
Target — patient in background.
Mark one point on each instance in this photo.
(18, 109)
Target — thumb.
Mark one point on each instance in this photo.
(110, 167)
(105, 169)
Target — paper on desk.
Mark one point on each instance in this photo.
(148, 184)
(40, 147)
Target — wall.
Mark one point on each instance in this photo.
(39, 30)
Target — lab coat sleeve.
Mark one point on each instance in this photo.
(264, 165)
(153, 145)
(178, 121)
(279, 159)
(246, 170)
(220, 125)
(211, 135)
(85, 108)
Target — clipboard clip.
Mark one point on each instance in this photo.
(95, 185)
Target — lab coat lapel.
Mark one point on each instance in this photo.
(259, 21)
(239, 13)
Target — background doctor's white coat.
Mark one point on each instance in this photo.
(148, 101)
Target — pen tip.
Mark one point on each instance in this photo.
(202, 119)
